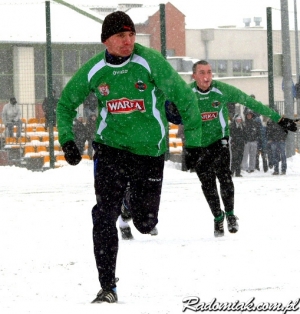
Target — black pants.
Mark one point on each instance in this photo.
(112, 170)
(237, 151)
(263, 155)
(215, 163)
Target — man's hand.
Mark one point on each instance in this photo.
(193, 156)
(72, 154)
(288, 124)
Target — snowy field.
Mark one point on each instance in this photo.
(47, 263)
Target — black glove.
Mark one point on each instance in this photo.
(288, 124)
(193, 156)
(172, 113)
(72, 154)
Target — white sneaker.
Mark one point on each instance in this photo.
(154, 231)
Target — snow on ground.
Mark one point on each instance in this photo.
(47, 263)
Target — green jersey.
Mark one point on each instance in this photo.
(131, 98)
(214, 110)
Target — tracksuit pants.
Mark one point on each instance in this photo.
(113, 168)
(215, 164)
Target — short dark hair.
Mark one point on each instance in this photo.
(13, 100)
(203, 62)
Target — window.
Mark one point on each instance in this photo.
(40, 86)
(39, 61)
(241, 67)
(236, 66)
(86, 55)
(6, 61)
(6, 87)
(222, 68)
(247, 66)
(6, 73)
(56, 61)
(70, 61)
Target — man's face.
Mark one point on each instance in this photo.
(203, 76)
(121, 44)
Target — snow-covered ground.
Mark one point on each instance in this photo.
(47, 263)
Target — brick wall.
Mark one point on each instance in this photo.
(175, 30)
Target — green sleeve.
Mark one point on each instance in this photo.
(238, 96)
(179, 92)
(73, 95)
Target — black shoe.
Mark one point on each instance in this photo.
(250, 171)
(238, 175)
(232, 224)
(219, 226)
(126, 233)
(275, 173)
(154, 231)
(125, 208)
(283, 173)
(109, 296)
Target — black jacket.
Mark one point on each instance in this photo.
(252, 130)
(90, 128)
(237, 134)
(275, 132)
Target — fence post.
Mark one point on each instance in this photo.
(49, 85)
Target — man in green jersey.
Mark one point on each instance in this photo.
(212, 160)
(131, 83)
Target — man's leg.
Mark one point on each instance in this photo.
(105, 237)
(110, 184)
(145, 190)
(222, 163)
(283, 157)
(207, 176)
(252, 155)
(10, 129)
(18, 124)
(125, 229)
(245, 166)
(276, 157)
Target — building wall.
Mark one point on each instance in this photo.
(234, 43)
(229, 44)
(175, 30)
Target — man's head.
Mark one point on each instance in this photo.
(238, 118)
(118, 34)
(93, 117)
(249, 114)
(13, 100)
(202, 74)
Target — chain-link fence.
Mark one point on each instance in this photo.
(75, 38)
(33, 31)
(284, 47)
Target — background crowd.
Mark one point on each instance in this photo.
(255, 138)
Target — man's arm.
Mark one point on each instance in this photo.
(244, 99)
(179, 92)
